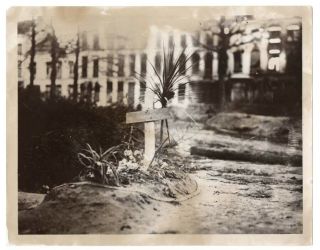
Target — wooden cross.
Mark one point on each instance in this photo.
(148, 117)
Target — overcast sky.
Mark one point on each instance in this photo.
(135, 21)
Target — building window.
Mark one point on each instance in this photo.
(255, 60)
(70, 91)
(19, 68)
(171, 42)
(96, 67)
(120, 92)
(121, 65)
(183, 41)
(84, 41)
(84, 66)
(96, 97)
(19, 49)
(209, 40)
(71, 68)
(109, 91)
(195, 59)
(293, 35)
(196, 39)
(237, 61)
(208, 65)
(59, 70)
(109, 65)
(181, 92)
(96, 45)
(89, 92)
(131, 93)
(142, 91)
(132, 65)
(48, 91)
(143, 64)
(158, 62)
(182, 66)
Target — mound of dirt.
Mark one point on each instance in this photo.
(255, 126)
(80, 208)
(29, 200)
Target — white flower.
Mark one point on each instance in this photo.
(127, 152)
(137, 152)
(123, 162)
(164, 165)
(132, 158)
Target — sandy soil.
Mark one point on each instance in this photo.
(235, 197)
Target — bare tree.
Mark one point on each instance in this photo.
(32, 52)
(223, 58)
(32, 30)
(76, 67)
(54, 60)
(56, 52)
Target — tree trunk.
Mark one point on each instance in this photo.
(75, 73)
(223, 59)
(32, 53)
(53, 77)
(252, 155)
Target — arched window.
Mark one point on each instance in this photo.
(208, 65)
(121, 65)
(237, 61)
(183, 41)
(255, 60)
(182, 66)
(209, 40)
(143, 66)
(96, 98)
(195, 63)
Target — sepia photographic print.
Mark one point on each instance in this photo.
(159, 125)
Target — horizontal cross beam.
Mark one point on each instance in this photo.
(148, 115)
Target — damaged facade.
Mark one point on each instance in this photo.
(263, 63)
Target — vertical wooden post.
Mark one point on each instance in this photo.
(149, 142)
(149, 131)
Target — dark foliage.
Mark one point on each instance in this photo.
(51, 133)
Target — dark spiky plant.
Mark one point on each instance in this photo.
(97, 163)
(166, 82)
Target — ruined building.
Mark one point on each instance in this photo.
(262, 63)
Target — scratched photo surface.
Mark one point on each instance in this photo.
(159, 120)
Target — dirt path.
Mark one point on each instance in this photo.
(236, 197)
(252, 199)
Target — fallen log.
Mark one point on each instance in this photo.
(267, 157)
